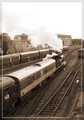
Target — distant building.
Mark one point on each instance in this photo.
(21, 43)
(67, 40)
(76, 41)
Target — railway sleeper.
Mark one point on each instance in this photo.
(45, 113)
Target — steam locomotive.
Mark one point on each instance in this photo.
(17, 85)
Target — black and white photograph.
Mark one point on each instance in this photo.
(41, 60)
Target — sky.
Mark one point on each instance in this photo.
(54, 17)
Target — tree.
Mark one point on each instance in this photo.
(5, 40)
(5, 47)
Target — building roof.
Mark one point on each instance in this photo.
(62, 35)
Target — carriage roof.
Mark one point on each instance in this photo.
(28, 71)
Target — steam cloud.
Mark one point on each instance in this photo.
(42, 37)
(39, 36)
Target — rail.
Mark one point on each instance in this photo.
(60, 90)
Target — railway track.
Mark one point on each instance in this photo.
(70, 51)
(77, 109)
(38, 99)
(69, 55)
(53, 106)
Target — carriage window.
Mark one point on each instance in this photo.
(37, 75)
(45, 70)
(29, 80)
(52, 66)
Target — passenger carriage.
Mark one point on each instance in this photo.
(30, 77)
(5, 61)
(10, 94)
(28, 56)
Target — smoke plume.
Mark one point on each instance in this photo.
(42, 37)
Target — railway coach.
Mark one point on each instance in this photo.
(4, 61)
(32, 55)
(17, 85)
(32, 76)
(44, 52)
(8, 90)
(14, 59)
(28, 56)
(9, 60)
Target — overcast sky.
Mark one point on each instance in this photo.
(55, 17)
